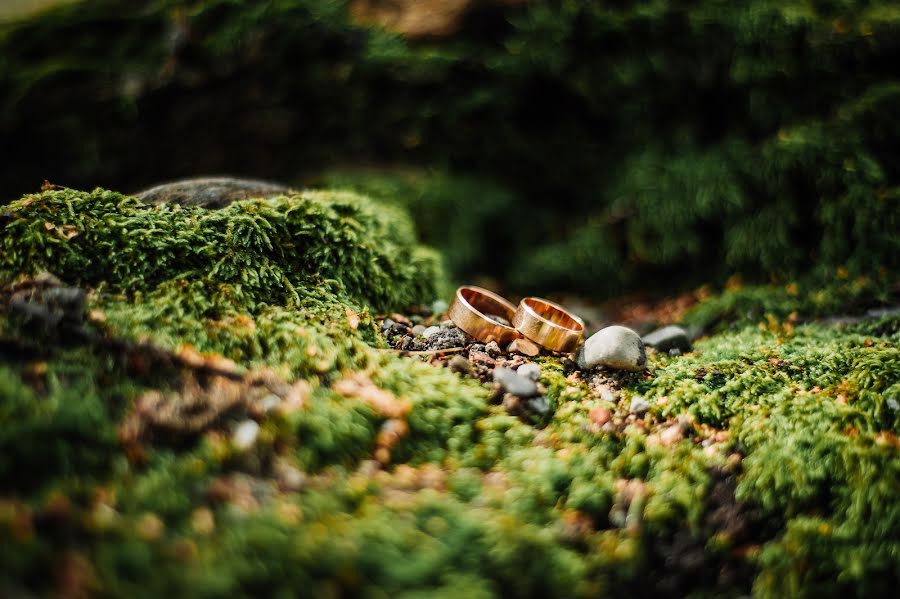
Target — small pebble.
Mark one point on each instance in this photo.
(447, 339)
(525, 347)
(600, 416)
(568, 364)
(531, 371)
(270, 402)
(418, 330)
(396, 329)
(387, 324)
(492, 349)
(614, 347)
(515, 384)
(428, 332)
(289, 477)
(639, 405)
(245, 435)
(672, 435)
(460, 365)
(538, 405)
(479, 358)
(674, 352)
(667, 338)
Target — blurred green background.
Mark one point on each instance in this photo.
(575, 146)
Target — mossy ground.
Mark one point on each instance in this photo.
(767, 462)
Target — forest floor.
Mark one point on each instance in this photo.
(213, 403)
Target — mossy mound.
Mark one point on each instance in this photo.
(767, 461)
(282, 251)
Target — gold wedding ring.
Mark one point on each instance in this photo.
(548, 324)
(471, 311)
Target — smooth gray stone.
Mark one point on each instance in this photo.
(531, 371)
(666, 338)
(613, 347)
(210, 192)
(513, 383)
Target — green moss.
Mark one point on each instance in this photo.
(834, 295)
(782, 479)
(282, 251)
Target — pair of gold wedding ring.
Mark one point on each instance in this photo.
(547, 324)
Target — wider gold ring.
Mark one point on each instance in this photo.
(548, 324)
(470, 311)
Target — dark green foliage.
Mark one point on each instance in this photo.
(64, 433)
(466, 219)
(803, 301)
(684, 140)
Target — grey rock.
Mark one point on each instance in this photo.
(492, 349)
(418, 329)
(428, 332)
(411, 343)
(531, 371)
(666, 338)
(513, 383)
(459, 364)
(396, 329)
(387, 324)
(674, 352)
(538, 405)
(614, 347)
(639, 405)
(210, 192)
(446, 339)
(893, 404)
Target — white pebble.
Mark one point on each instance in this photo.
(245, 435)
(530, 370)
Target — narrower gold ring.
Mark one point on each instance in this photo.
(470, 311)
(548, 324)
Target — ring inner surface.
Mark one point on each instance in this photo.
(487, 305)
(553, 315)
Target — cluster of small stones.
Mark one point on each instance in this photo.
(602, 360)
